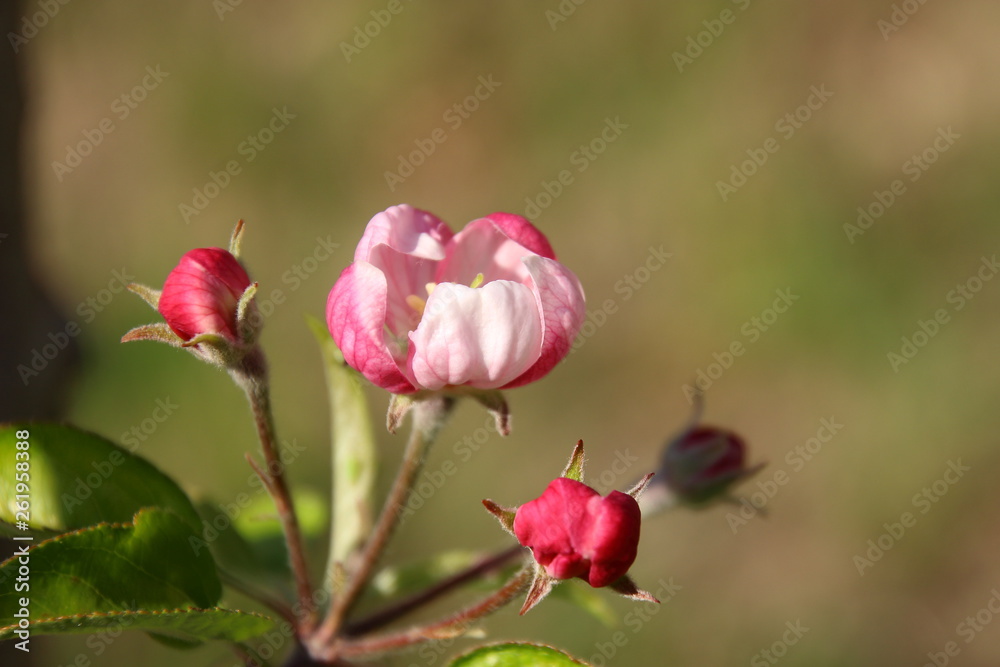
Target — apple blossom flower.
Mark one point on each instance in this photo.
(573, 531)
(423, 308)
(201, 295)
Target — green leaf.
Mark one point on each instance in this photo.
(260, 520)
(152, 563)
(231, 550)
(176, 627)
(77, 479)
(254, 543)
(354, 456)
(515, 655)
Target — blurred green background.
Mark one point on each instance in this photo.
(692, 87)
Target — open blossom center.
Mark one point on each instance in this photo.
(423, 308)
(419, 304)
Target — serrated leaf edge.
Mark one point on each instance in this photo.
(97, 526)
(136, 612)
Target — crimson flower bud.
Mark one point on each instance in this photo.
(573, 531)
(208, 308)
(201, 295)
(703, 463)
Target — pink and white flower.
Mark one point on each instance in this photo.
(423, 308)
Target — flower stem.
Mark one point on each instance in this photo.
(428, 416)
(450, 626)
(399, 609)
(252, 377)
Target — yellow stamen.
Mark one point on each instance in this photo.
(477, 281)
(416, 303)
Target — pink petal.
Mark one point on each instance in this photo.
(483, 247)
(406, 229)
(566, 566)
(482, 337)
(549, 521)
(612, 541)
(561, 303)
(355, 314)
(521, 231)
(405, 275)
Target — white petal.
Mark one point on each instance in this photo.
(482, 337)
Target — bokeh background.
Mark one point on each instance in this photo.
(691, 87)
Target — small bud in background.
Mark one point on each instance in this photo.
(703, 463)
(699, 465)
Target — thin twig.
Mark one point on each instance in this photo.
(427, 417)
(253, 379)
(402, 607)
(451, 626)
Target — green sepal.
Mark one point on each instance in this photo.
(574, 469)
(496, 404)
(640, 486)
(504, 515)
(146, 293)
(399, 406)
(248, 321)
(627, 588)
(158, 333)
(213, 339)
(236, 240)
(541, 585)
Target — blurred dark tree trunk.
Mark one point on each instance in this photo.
(29, 321)
(27, 315)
